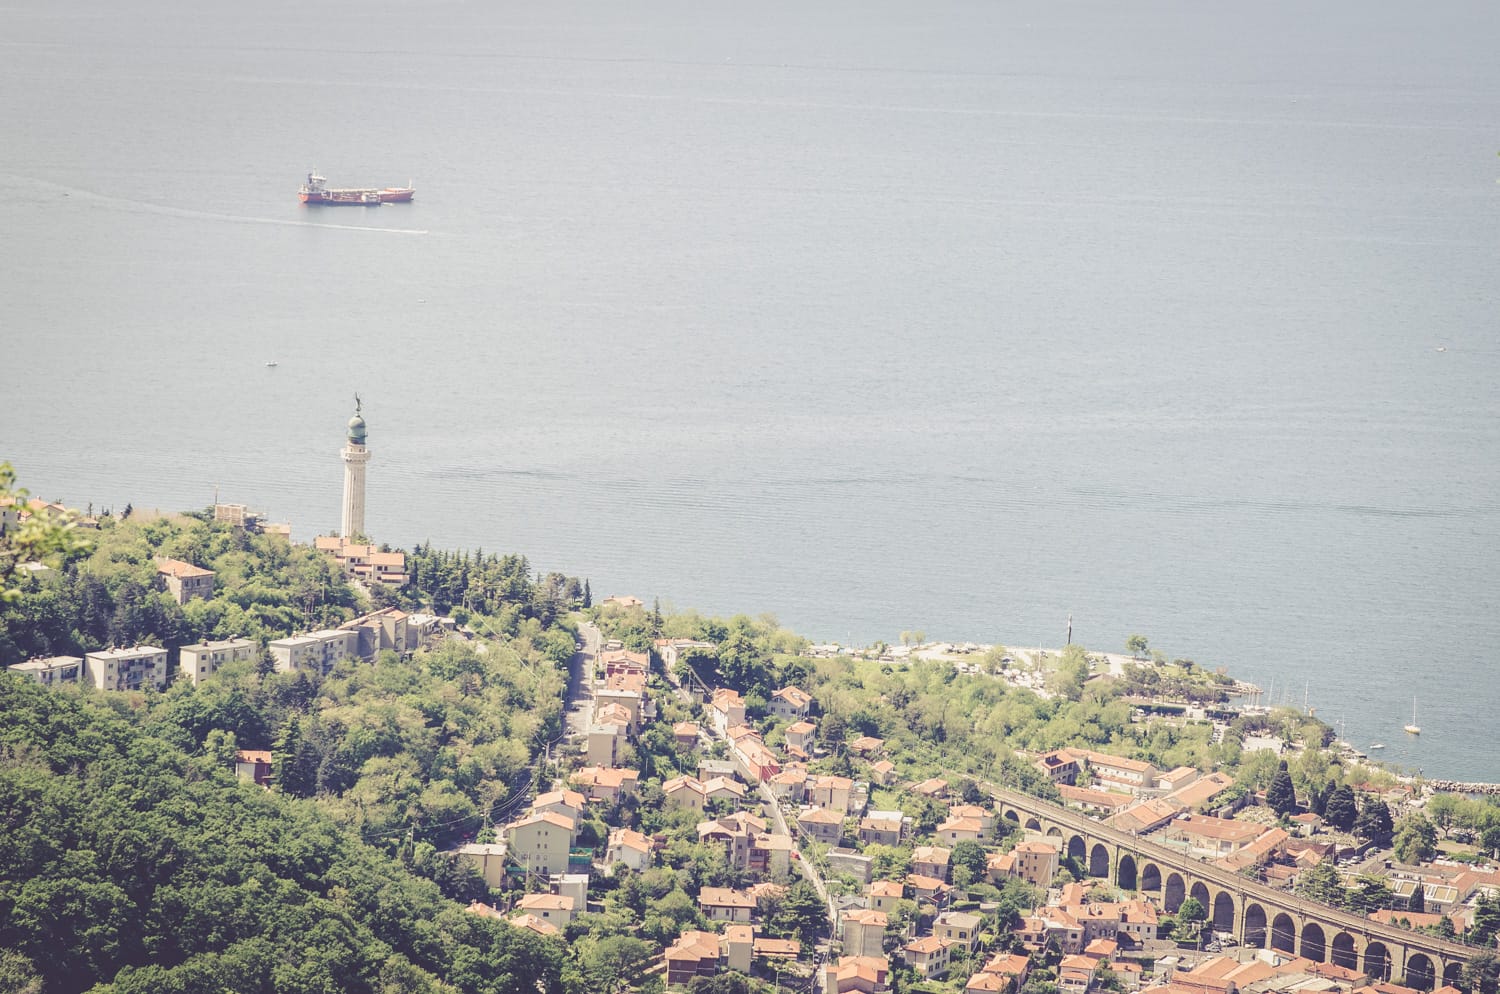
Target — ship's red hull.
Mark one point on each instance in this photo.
(392, 195)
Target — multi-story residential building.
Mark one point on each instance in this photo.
(683, 792)
(928, 956)
(864, 932)
(694, 954)
(724, 904)
(541, 842)
(799, 739)
(386, 630)
(553, 908)
(315, 652)
(51, 671)
(726, 709)
(602, 783)
(201, 661)
(822, 824)
(886, 828)
(185, 581)
(791, 702)
(365, 562)
(128, 669)
(959, 927)
(857, 975)
(831, 792)
(629, 847)
(931, 861)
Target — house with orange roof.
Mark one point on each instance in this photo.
(866, 746)
(1203, 794)
(723, 789)
(1060, 766)
(925, 888)
(857, 975)
(1075, 974)
(605, 784)
(883, 828)
(568, 803)
(928, 956)
(1133, 775)
(882, 895)
(541, 842)
(685, 734)
(776, 949)
(1012, 968)
(555, 909)
(757, 760)
(883, 772)
(683, 792)
(791, 702)
(532, 923)
(954, 830)
(1207, 836)
(831, 792)
(184, 581)
(626, 846)
(1035, 862)
(1143, 816)
(931, 861)
(725, 904)
(864, 932)
(790, 784)
(799, 739)
(822, 824)
(770, 853)
(1051, 925)
(694, 954)
(726, 709)
(621, 661)
(934, 787)
(253, 765)
(1100, 802)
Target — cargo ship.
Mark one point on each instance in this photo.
(317, 191)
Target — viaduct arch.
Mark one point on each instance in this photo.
(1257, 915)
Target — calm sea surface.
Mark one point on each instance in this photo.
(951, 316)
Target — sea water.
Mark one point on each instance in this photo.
(959, 317)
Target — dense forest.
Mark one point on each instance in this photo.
(132, 862)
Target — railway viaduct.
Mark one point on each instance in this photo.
(1257, 915)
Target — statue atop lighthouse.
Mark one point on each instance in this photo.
(355, 456)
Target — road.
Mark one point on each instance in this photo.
(580, 702)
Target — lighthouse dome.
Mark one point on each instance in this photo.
(357, 429)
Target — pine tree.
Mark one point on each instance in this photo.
(588, 595)
(1341, 809)
(1282, 795)
(1374, 822)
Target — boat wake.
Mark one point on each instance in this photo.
(145, 206)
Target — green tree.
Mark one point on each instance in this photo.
(1415, 839)
(1341, 810)
(802, 914)
(45, 536)
(1489, 840)
(1281, 795)
(615, 962)
(1486, 921)
(1370, 893)
(970, 855)
(1190, 918)
(1137, 645)
(1322, 883)
(1374, 822)
(1481, 973)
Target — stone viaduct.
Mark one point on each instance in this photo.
(1257, 915)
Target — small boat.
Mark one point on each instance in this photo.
(1376, 746)
(272, 363)
(1413, 728)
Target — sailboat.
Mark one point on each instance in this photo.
(1414, 728)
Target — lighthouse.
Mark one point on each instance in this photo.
(355, 456)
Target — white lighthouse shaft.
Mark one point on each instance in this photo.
(353, 522)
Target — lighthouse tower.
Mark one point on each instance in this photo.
(355, 456)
